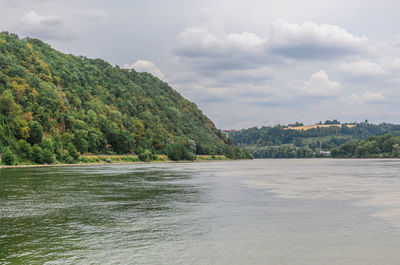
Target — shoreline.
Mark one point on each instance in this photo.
(90, 164)
(113, 163)
(177, 162)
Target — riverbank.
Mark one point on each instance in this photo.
(93, 160)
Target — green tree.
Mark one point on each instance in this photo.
(48, 157)
(37, 154)
(179, 151)
(24, 149)
(72, 152)
(82, 146)
(47, 144)
(96, 141)
(8, 157)
(36, 133)
(8, 107)
(145, 156)
(122, 142)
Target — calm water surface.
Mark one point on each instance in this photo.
(236, 212)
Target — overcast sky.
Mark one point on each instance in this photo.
(244, 63)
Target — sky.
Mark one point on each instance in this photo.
(244, 63)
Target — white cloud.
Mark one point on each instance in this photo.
(45, 27)
(310, 40)
(210, 47)
(201, 42)
(319, 85)
(146, 66)
(95, 14)
(362, 69)
(367, 97)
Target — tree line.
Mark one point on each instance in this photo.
(281, 142)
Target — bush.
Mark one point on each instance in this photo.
(82, 146)
(24, 149)
(72, 152)
(145, 156)
(68, 160)
(37, 154)
(84, 160)
(36, 133)
(233, 152)
(47, 144)
(48, 157)
(8, 157)
(179, 151)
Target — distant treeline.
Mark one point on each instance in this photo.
(386, 146)
(280, 142)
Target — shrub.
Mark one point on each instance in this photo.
(48, 157)
(47, 144)
(145, 156)
(36, 133)
(72, 152)
(8, 157)
(84, 160)
(68, 160)
(179, 151)
(24, 149)
(37, 154)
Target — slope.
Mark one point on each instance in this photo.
(67, 104)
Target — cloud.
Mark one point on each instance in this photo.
(309, 40)
(19, 3)
(368, 97)
(146, 66)
(362, 69)
(319, 85)
(221, 69)
(94, 14)
(201, 42)
(390, 55)
(248, 76)
(208, 47)
(45, 27)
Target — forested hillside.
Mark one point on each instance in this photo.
(54, 106)
(281, 142)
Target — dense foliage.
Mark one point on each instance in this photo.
(280, 142)
(386, 146)
(55, 106)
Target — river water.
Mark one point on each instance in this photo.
(312, 211)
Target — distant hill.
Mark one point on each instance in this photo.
(305, 141)
(314, 126)
(55, 105)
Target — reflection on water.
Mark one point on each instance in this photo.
(366, 182)
(239, 212)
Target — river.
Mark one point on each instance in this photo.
(289, 211)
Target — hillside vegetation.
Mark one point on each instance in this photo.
(384, 146)
(281, 142)
(54, 107)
